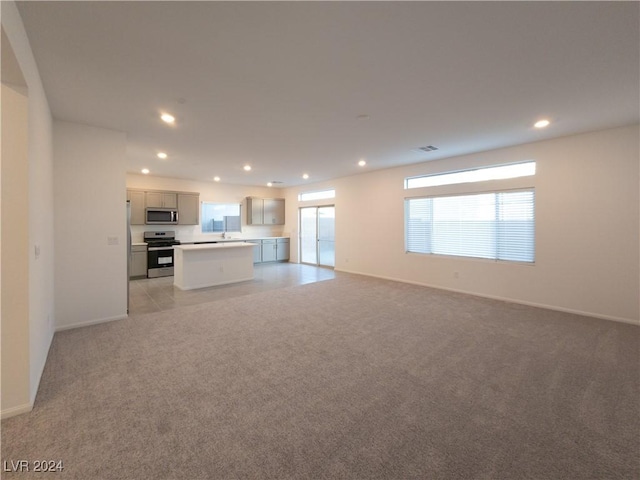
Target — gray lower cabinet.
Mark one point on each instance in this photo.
(257, 250)
(282, 249)
(269, 253)
(138, 261)
(270, 250)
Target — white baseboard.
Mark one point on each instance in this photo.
(17, 410)
(503, 299)
(90, 322)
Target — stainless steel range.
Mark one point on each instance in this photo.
(160, 253)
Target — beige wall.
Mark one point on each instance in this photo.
(15, 254)
(89, 199)
(587, 226)
(27, 219)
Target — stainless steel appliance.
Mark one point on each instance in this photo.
(160, 253)
(161, 216)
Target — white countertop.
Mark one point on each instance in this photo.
(200, 240)
(209, 246)
(223, 240)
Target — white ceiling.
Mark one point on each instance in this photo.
(279, 85)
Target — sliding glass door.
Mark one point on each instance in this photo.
(317, 235)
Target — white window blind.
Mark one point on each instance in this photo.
(496, 225)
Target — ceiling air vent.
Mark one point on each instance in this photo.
(428, 148)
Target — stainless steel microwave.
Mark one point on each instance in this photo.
(161, 216)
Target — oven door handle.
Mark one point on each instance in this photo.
(157, 249)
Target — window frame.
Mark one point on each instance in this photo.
(217, 232)
(317, 199)
(486, 168)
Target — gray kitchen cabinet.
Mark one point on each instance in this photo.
(136, 200)
(265, 211)
(187, 204)
(138, 261)
(255, 209)
(257, 250)
(161, 200)
(273, 211)
(188, 208)
(282, 249)
(269, 253)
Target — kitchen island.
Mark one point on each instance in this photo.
(207, 265)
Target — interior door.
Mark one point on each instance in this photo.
(317, 235)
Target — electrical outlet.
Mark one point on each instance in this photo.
(112, 241)
(456, 275)
(36, 250)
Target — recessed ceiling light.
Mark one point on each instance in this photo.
(542, 123)
(167, 118)
(305, 176)
(145, 171)
(162, 155)
(269, 184)
(247, 168)
(364, 116)
(362, 163)
(216, 179)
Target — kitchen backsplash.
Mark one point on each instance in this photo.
(191, 233)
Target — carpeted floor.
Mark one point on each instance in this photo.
(351, 378)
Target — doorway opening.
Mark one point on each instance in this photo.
(317, 235)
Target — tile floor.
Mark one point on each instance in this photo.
(156, 294)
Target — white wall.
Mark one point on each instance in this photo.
(36, 211)
(90, 207)
(587, 226)
(209, 192)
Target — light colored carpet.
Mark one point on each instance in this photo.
(353, 378)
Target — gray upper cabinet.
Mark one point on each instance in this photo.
(265, 211)
(255, 209)
(162, 200)
(188, 208)
(136, 199)
(187, 204)
(274, 211)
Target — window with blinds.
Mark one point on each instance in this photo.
(496, 225)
